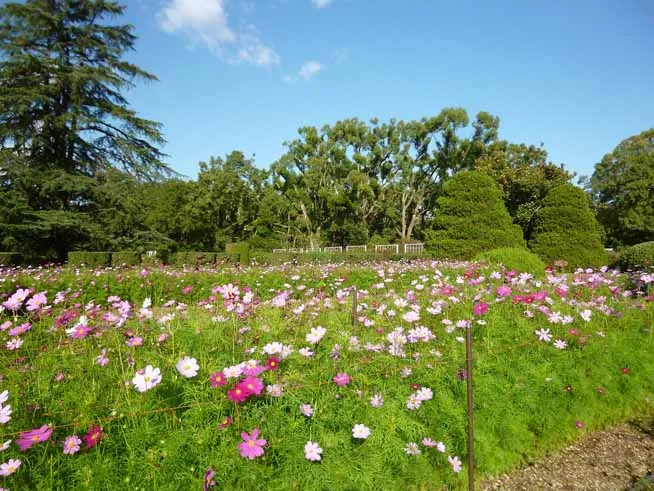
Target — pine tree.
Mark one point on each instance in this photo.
(63, 116)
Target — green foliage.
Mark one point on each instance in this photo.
(471, 218)
(514, 258)
(566, 229)
(9, 258)
(525, 176)
(193, 258)
(622, 186)
(89, 259)
(638, 257)
(125, 258)
(167, 437)
(239, 252)
(64, 120)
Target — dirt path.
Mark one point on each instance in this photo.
(611, 460)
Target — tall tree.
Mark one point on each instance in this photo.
(525, 175)
(63, 115)
(623, 185)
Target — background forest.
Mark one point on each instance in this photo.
(80, 170)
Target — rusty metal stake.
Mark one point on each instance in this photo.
(471, 425)
(354, 306)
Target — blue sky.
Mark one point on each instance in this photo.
(246, 74)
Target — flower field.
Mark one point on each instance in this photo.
(260, 378)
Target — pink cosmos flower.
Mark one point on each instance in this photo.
(217, 379)
(503, 291)
(208, 479)
(306, 410)
(36, 302)
(237, 394)
(251, 447)
(312, 451)
(19, 330)
(102, 358)
(341, 379)
(455, 462)
(93, 437)
(72, 444)
(480, 308)
(135, 341)
(252, 385)
(9, 467)
(32, 437)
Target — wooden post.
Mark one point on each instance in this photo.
(471, 425)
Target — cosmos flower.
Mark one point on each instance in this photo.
(72, 444)
(188, 367)
(360, 432)
(251, 447)
(312, 451)
(146, 379)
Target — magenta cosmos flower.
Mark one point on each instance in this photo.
(480, 308)
(252, 385)
(93, 437)
(341, 379)
(217, 380)
(29, 438)
(251, 447)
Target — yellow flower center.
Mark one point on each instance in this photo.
(251, 443)
(147, 379)
(35, 438)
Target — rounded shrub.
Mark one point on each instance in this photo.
(565, 229)
(471, 218)
(639, 256)
(514, 258)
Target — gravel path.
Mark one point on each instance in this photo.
(611, 460)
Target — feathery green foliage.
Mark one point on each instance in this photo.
(514, 258)
(638, 257)
(471, 218)
(566, 229)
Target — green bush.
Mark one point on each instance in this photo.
(125, 258)
(514, 258)
(9, 258)
(565, 228)
(193, 258)
(471, 218)
(239, 252)
(90, 259)
(639, 256)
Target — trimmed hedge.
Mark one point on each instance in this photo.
(9, 258)
(514, 258)
(193, 258)
(125, 258)
(239, 252)
(565, 228)
(638, 257)
(471, 218)
(90, 259)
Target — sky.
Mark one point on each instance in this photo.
(246, 74)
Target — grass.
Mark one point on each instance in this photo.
(166, 438)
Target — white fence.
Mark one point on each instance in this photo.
(334, 249)
(414, 248)
(418, 248)
(388, 248)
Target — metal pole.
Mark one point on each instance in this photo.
(354, 306)
(471, 425)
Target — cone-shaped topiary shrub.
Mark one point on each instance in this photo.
(471, 218)
(514, 258)
(566, 229)
(639, 257)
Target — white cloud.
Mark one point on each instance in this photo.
(207, 21)
(321, 3)
(309, 69)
